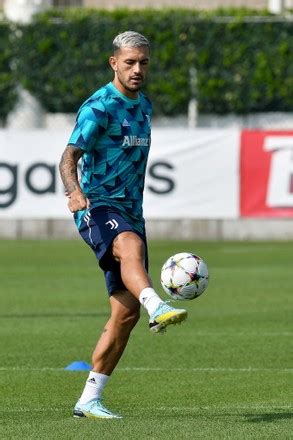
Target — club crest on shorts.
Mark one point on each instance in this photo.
(113, 223)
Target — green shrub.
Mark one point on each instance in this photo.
(245, 67)
(242, 65)
(7, 78)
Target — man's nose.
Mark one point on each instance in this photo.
(137, 67)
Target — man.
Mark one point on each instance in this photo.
(112, 136)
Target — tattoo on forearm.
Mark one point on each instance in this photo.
(68, 168)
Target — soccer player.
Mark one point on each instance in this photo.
(112, 135)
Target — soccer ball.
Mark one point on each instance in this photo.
(184, 276)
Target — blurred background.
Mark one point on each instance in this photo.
(221, 82)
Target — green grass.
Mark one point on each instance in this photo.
(225, 374)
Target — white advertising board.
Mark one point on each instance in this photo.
(191, 174)
(203, 171)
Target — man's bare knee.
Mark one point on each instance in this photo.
(126, 318)
(128, 245)
(125, 310)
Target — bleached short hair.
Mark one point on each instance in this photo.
(130, 39)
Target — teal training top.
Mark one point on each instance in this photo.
(114, 132)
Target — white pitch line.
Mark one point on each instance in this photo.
(209, 369)
(241, 334)
(31, 369)
(224, 407)
(30, 410)
(271, 408)
(159, 369)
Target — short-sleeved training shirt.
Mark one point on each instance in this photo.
(115, 133)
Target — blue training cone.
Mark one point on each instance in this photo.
(78, 366)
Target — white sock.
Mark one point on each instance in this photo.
(94, 386)
(149, 299)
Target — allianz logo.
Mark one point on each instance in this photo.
(134, 141)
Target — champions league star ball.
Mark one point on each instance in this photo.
(184, 276)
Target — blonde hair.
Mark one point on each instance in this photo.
(130, 39)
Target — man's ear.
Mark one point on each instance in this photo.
(113, 63)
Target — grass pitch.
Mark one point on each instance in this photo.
(224, 374)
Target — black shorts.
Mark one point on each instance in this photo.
(98, 229)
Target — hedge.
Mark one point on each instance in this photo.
(7, 76)
(242, 65)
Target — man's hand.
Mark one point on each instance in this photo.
(77, 201)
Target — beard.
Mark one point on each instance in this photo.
(130, 87)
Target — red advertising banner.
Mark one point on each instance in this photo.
(266, 174)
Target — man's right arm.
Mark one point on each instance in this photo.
(69, 176)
